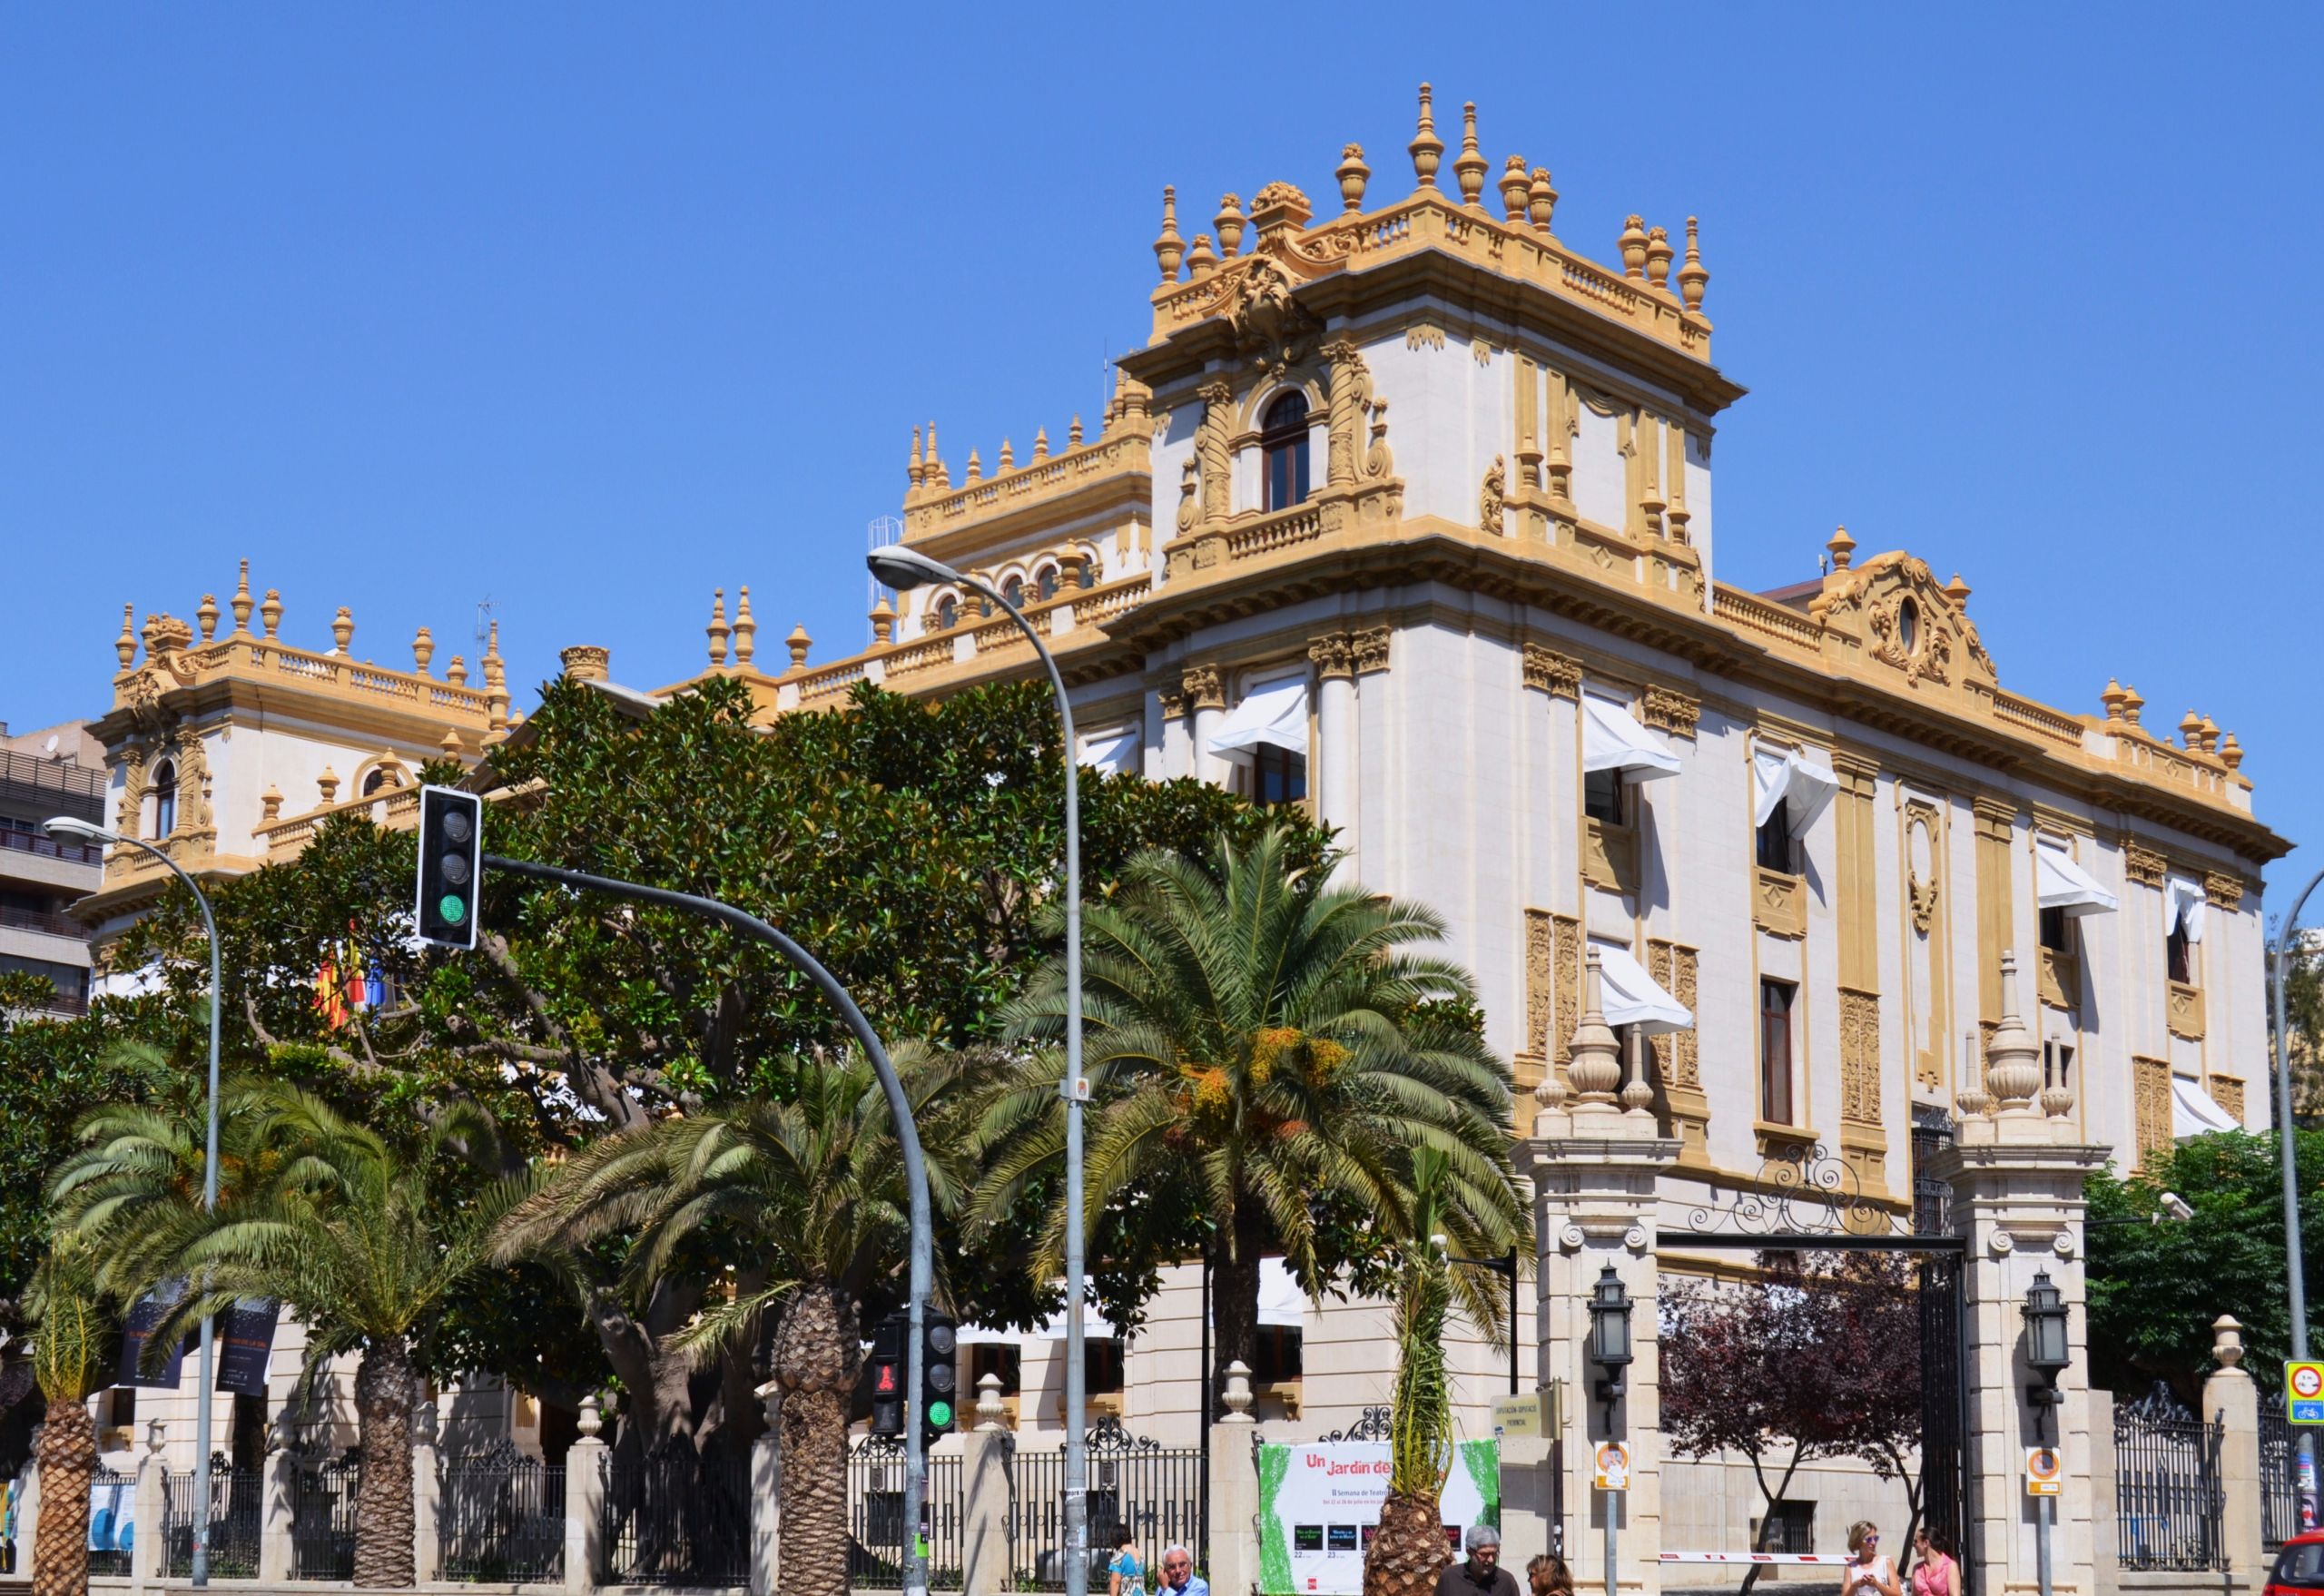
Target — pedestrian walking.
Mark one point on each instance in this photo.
(1870, 1575)
(1480, 1574)
(1935, 1571)
(1129, 1574)
(1548, 1576)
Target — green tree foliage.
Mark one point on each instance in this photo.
(2156, 1284)
(1404, 1557)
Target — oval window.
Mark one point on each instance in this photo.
(1908, 627)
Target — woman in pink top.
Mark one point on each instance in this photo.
(1935, 1573)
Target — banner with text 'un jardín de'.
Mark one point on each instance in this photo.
(1319, 1503)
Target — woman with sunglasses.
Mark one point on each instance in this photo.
(1870, 1575)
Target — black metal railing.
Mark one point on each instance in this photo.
(29, 773)
(237, 1510)
(1153, 1490)
(875, 1516)
(2279, 1479)
(113, 1512)
(322, 1520)
(677, 1517)
(2169, 1504)
(500, 1518)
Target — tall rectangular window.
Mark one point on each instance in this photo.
(2053, 929)
(1775, 839)
(1601, 796)
(2176, 958)
(1278, 776)
(1774, 1051)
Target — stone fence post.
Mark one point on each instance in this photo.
(584, 1500)
(984, 1511)
(2229, 1395)
(426, 1492)
(149, 1512)
(2106, 1541)
(767, 1496)
(274, 1527)
(1234, 1569)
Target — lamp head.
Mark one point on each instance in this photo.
(904, 569)
(65, 825)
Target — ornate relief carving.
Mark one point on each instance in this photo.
(2150, 1108)
(1369, 649)
(1203, 687)
(1548, 671)
(1552, 982)
(1351, 396)
(1424, 334)
(2227, 1091)
(1924, 864)
(1678, 1054)
(130, 820)
(2183, 1010)
(2143, 865)
(1568, 929)
(1895, 607)
(1859, 1058)
(2224, 891)
(194, 786)
(1778, 902)
(1270, 324)
(1332, 655)
(1174, 704)
(1480, 352)
(1490, 497)
(1189, 486)
(1378, 459)
(1214, 450)
(1672, 710)
(1900, 639)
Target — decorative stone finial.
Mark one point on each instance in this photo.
(125, 645)
(457, 672)
(448, 744)
(1657, 258)
(1353, 176)
(1513, 190)
(326, 784)
(2112, 699)
(240, 601)
(933, 473)
(2210, 736)
(1230, 225)
(343, 629)
(1201, 260)
(1595, 1070)
(269, 613)
(746, 628)
(1974, 1100)
(2230, 751)
(1470, 167)
(912, 468)
(1238, 1395)
(883, 621)
(1073, 434)
(2012, 1058)
(1958, 592)
(269, 803)
(2191, 730)
(1008, 451)
(1692, 278)
(1041, 443)
(976, 467)
(2227, 1341)
(1633, 247)
(207, 616)
(1842, 548)
(590, 1421)
(157, 1435)
(718, 630)
(1167, 251)
(587, 661)
(1637, 1096)
(423, 649)
(1280, 207)
(1541, 201)
(991, 1413)
(2132, 705)
(1427, 149)
(798, 643)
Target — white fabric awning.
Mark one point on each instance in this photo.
(1805, 781)
(1115, 751)
(1628, 995)
(1612, 739)
(2061, 884)
(2195, 1112)
(1281, 1302)
(1273, 714)
(986, 1335)
(2182, 904)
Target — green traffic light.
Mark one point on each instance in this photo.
(939, 1413)
(452, 907)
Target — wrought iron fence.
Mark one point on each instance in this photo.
(1036, 1520)
(677, 1517)
(2279, 1479)
(875, 1515)
(2167, 1499)
(237, 1507)
(500, 1517)
(322, 1518)
(1154, 1491)
(111, 1515)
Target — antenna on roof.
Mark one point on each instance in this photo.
(878, 533)
(484, 613)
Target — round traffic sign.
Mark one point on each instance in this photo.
(2307, 1381)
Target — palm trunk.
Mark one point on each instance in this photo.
(387, 1390)
(67, 1453)
(1408, 1549)
(1235, 1298)
(816, 1351)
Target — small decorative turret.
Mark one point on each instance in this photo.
(343, 629)
(1974, 1100)
(240, 601)
(746, 629)
(1541, 201)
(718, 630)
(1230, 225)
(1657, 258)
(1470, 167)
(1633, 247)
(2112, 699)
(207, 615)
(1167, 251)
(1842, 548)
(1201, 260)
(1692, 278)
(798, 643)
(587, 661)
(1280, 207)
(269, 613)
(423, 649)
(1427, 149)
(125, 645)
(495, 682)
(1353, 176)
(1513, 190)
(883, 621)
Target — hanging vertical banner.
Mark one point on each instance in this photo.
(245, 1346)
(150, 1309)
(1319, 1503)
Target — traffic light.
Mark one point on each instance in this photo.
(888, 1376)
(940, 1373)
(451, 865)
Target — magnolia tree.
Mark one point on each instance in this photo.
(1817, 1356)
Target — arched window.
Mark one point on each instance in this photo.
(948, 613)
(1283, 441)
(1046, 583)
(1012, 592)
(166, 798)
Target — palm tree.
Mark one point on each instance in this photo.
(72, 1338)
(811, 1188)
(360, 1236)
(1408, 1549)
(1276, 1044)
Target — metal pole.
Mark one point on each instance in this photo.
(2042, 1543)
(915, 1568)
(1076, 1447)
(1613, 1499)
(2286, 1145)
(1512, 1319)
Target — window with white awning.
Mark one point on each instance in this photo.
(1628, 995)
(2183, 906)
(1612, 739)
(2061, 884)
(2195, 1112)
(1116, 752)
(1801, 784)
(1273, 714)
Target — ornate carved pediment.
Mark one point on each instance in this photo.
(1894, 607)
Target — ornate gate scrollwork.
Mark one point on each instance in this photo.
(1805, 1192)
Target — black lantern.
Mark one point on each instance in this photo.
(2047, 1351)
(1609, 1332)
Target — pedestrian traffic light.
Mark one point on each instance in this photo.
(451, 865)
(888, 1376)
(940, 1373)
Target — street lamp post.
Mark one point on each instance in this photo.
(903, 569)
(2048, 1351)
(1610, 1349)
(65, 825)
(2285, 1143)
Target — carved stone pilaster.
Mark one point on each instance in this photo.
(1203, 686)
(1332, 655)
(1368, 649)
(1350, 397)
(1174, 704)
(2224, 891)
(1672, 710)
(2143, 865)
(1548, 671)
(1214, 451)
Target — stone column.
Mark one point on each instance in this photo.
(1336, 743)
(584, 1500)
(1595, 1158)
(2016, 1172)
(1206, 691)
(2230, 1394)
(984, 1510)
(767, 1496)
(1233, 1568)
(427, 1492)
(148, 1510)
(2105, 1539)
(274, 1527)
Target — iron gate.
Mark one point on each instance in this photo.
(2169, 1503)
(677, 1517)
(500, 1518)
(236, 1504)
(1154, 1491)
(875, 1515)
(2279, 1478)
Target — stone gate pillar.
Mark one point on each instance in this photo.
(2016, 1172)
(1595, 1158)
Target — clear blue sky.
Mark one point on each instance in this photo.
(592, 309)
